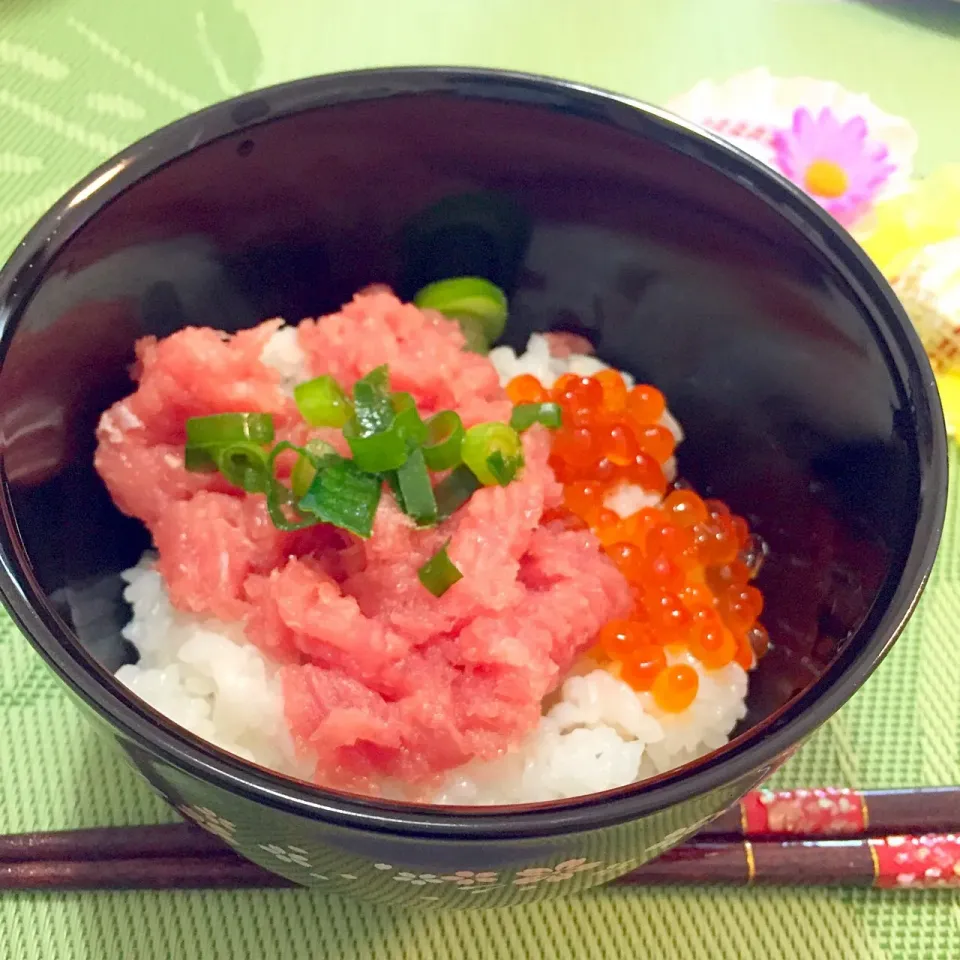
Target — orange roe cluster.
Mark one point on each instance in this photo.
(689, 560)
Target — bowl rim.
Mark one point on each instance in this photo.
(753, 753)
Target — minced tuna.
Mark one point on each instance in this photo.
(381, 681)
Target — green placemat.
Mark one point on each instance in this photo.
(81, 78)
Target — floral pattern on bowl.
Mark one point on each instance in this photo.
(406, 871)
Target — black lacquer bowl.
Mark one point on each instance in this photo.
(808, 403)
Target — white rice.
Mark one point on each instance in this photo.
(283, 353)
(597, 735)
(203, 674)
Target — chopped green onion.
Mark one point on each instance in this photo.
(454, 490)
(551, 416)
(302, 476)
(525, 415)
(221, 428)
(501, 469)
(376, 452)
(439, 573)
(372, 408)
(376, 440)
(394, 484)
(208, 438)
(278, 496)
(200, 459)
(377, 380)
(322, 402)
(442, 445)
(469, 298)
(408, 421)
(244, 465)
(474, 335)
(305, 469)
(417, 495)
(492, 441)
(344, 495)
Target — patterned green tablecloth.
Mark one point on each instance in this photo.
(81, 78)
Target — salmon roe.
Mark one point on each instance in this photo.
(578, 445)
(618, 442)
(675, 688)
(645, 404)
(686, 508)
(644, 666)
(579, 397)
(618, 637)
(583, 497)
(614, 390)
(689, 561)
(713, 645)
(745, 655)
(759, 639)
(645, 472)
(656, 441)
(526, 389)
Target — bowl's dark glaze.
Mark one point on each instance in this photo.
(806, 398)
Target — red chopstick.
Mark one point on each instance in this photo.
(839, 811)
(916, 862)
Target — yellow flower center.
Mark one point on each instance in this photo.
(826, 179)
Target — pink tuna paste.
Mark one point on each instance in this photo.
(382, 681)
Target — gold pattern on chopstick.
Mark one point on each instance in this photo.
(875, 859)
(751, 862)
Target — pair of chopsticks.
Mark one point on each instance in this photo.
(821, 837)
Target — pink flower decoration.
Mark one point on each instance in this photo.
(833, 161)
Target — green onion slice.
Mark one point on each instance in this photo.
(376, 452)
(408, 420)
(502, 469)
(322, 402)
(454, 491)
(377, 441)
(416, 492)
(372, 408)
(222, 428)
(394, 484)
(474, 335)
(525, 415)
(444, 436)
(305, 469)
(551, 416)
(279, 497)
(439, 573)
(469, 298)
(244, 465)
(208, 439)
(344, 495)
(200, 459)
(492, 451)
